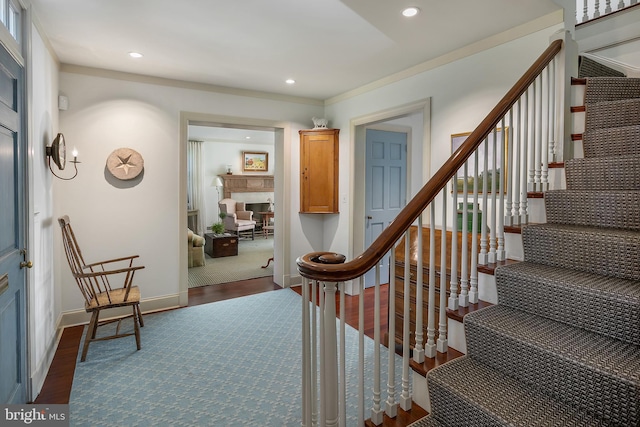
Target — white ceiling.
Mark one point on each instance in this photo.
(329, 46)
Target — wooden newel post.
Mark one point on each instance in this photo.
(329, 349)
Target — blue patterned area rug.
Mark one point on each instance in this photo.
(230, 363)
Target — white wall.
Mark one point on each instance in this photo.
(113, 219)
(44, 296)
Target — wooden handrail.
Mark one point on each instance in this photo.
(311, 266)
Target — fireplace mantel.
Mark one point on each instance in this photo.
(246, 184)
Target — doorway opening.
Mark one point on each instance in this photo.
(225, 141)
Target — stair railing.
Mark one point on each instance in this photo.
(586, 10)
(523, 133)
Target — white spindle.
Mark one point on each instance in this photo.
(442, 329)
(482, 257)
(544, 149)
(552, 111)
(405, 395)
(585, 16)
(491, 258)
(596, 12)
(376, 412)
(453, 290)
(463, 300)
(607, 8)
(391, 406)
(314, 353)
(418, 349)
(500, 253)
(323, 380)
(531, 155)
(473, 292)
(306, 356)
(508, 217)
(537, 180)
(518, 134)
(525, 151)
(430, 347)
(361, 373)
(342, 366)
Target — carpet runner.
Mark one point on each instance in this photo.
(562, 347)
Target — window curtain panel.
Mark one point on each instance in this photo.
(195, 183)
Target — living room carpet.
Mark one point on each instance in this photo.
(229, 363)
(252, 255)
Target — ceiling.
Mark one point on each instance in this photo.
(329, 47)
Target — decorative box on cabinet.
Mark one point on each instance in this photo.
(319, 171)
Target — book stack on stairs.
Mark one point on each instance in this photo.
(562, 346)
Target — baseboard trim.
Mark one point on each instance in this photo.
(81, 317)
(39, 375)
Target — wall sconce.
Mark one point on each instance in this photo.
(57, 152)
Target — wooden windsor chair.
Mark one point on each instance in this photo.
(94, 284)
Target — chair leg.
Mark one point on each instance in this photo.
(135, 325)
(91, 334)
(253, 234)
(140, 316)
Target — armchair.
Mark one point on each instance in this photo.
(196, 249)
(237, 218)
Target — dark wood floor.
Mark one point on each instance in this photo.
(57, 385)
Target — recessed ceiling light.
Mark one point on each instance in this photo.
(289, 81)
(247, 137)
(410, 11)
(135, 55)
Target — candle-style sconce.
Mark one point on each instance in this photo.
(57, 152)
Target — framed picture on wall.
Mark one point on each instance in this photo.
(500, 167)
(253, 161)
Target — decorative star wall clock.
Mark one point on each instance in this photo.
(125, 163)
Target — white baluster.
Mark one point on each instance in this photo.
(343, 373)
(482, 257)
(508, 216)
(620, 4)
(552, 112)
(453, 290)
(377, 414)
(537, 186)
(473, 292)
(405, 395)
(463, 299)
(491, 258)
(361, 373)
(306, 356)
(525, 151)
(544, 149)
(314, 353)
(430, 347)
(442, 329)
(330, 353)
(585, 16)
(532, 142)
(517, 132)
(607, 8)
(323, 380)
(596, 12)
(500, 253)
(391, 406)
(418, 349)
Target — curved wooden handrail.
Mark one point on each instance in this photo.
(310, 265)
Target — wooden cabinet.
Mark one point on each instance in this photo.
(319, 171)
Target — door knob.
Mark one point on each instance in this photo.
(27, 264)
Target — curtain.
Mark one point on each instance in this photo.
(195, 184)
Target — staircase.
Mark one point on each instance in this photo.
(562, 346)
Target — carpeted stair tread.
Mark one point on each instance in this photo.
(428, 421)
(599, 374)
(606, 251)
(616, 173)
(606, 305)
(612, 142)
(601, 89)
(608, 114)
(465, 392)
(587, 67)
(614, 209)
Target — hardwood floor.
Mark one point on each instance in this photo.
(57, 385)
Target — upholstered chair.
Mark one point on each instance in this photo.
(195, 249)
(237, 218)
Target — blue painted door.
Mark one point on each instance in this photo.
(13, 325)
(385, 188)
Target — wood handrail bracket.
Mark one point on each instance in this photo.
(312, 267)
